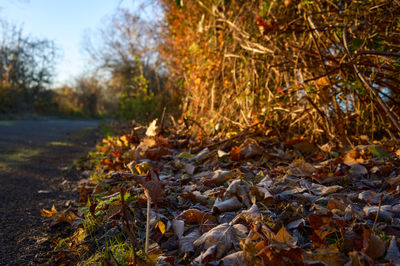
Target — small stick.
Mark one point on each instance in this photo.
(379, 210)
(162, 120)
(146, 247)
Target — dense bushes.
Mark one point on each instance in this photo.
(285, 64)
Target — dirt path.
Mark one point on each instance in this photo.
(32, 154)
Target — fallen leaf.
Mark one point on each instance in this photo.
(360, 259)
(179, 227)
(234, 259)
(369, 196)
(219, 177)
(250, 149)
(378, 152)
(375, 247)
(357, 170)
(161, 226)
(194, 216)
(283, 236)
(152, 129)
(231, 204)
(332, 257)
(220, 236)
(251, 215)
(49, 214)
(152, 185)
(186, 242)
(222, 154)
(235, 153)
(185, 155)
(393, 252)
(301, 168)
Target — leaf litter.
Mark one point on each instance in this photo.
(247, 200)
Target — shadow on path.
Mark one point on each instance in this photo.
(32, 154)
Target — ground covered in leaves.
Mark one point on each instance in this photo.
(250, 199)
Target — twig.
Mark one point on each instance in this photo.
(162, 120)
(367, 85)
(146, 247)
(388, 54)
(379, 210)
(243, 133)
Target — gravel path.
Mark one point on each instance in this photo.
(32, 154)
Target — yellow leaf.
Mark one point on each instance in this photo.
(49, 214)
(283, 235)
(161, 226)
(142, 168)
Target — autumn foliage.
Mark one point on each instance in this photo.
(289, 64)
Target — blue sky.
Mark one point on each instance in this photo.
(63, 21)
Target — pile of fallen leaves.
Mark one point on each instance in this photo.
(250, 199)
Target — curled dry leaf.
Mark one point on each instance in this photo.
(241, 189)
(251, 215)
(179, 227)
(385, 212)
(357, 170)
(370, 196)
(152, 129)
(220, 176)
(231, 204)
(201, 155)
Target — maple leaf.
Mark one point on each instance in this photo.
(152, 186)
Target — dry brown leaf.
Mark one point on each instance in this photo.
(353, 156)
(251, 215)
(186, 242)
(221, 237)
(283, 236)
(376, 248)
(194, 216)
(331, 257)
(152, 185)
(360, 259)
(250, 149)
(393, 252)
(370, 196)
(301, 168)
(398, 153)
(152, 129)
(231, 204)
(234, 259)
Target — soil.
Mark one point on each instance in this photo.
(33, 175)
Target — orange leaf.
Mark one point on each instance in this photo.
(235, 153)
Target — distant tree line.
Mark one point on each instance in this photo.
(26, 70)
